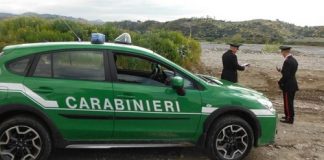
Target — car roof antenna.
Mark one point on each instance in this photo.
(79, 39)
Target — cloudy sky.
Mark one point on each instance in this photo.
(299, 12)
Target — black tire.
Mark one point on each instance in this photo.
(230, 138)
(23, 134)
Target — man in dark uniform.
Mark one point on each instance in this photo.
(230, 64)
(288, 83)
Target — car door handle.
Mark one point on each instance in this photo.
(123, 96)
(44, 90)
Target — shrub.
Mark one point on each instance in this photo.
(170, 44)
(270, 48)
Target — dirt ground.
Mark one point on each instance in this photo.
(304, 140)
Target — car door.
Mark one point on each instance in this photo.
(146, 107)
(74, 88)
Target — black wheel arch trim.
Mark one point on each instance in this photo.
(242, 112)
(7, 111)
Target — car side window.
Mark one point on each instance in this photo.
(132, 69)
(19, 66)
(86, 65)
(136, 70)
(43, 68)
(79, 65)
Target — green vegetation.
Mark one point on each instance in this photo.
(203, 29)
(176, 40)
(208, 29)
(271, 48)
(173, 45)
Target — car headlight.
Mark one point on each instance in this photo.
(266, 103)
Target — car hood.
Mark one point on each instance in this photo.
(229, 86)
(234, 94)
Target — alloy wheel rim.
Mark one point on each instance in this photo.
(232, 141)
(20, 142)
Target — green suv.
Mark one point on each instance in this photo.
(112, 95)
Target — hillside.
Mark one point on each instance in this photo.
(48, 16)
(253, 31)
(208, 29)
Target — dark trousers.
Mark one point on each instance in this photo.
(289, 105)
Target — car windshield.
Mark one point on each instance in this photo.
(209, 79)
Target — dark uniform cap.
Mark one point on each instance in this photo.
(235, 45)
(283, 48)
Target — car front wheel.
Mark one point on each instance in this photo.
(231, 138)
(23, 138)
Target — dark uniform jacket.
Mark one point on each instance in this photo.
(288, 82)
(230, 66)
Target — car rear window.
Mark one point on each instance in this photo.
(19, 66)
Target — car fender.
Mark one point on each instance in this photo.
(7, 111)
(242, 112)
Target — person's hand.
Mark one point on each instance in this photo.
(246, 65)
(281, 86)
(278, 69)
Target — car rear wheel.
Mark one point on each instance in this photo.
(23, 138)
(231, 138)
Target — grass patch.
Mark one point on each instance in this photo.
(270, 48)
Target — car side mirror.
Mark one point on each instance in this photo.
(177, 83)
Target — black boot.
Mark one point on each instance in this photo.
(288, 120)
